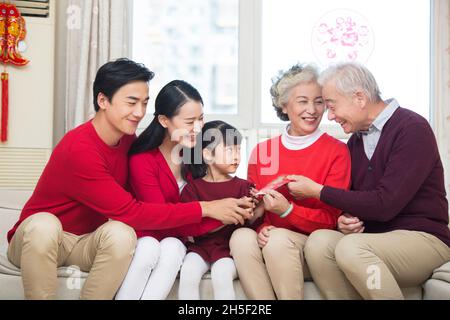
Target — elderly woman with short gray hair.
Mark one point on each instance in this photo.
(270, 260)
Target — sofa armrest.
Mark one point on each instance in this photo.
(7, 220)
(11, 204)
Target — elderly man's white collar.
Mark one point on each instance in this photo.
(382, 118)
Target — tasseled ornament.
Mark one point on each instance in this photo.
(5, 99)
(12, 31)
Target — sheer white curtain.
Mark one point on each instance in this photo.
(97, 32)
(441, 78)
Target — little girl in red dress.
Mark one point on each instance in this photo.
(220, 159)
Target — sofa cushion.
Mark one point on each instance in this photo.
(442, 273)
(8, 268)
(11, 204)
(8, 217)
(435, 289)
(14, 199)
(12, 288)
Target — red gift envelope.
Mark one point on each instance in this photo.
(273, 186)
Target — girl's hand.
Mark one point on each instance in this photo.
(275, 202)
(258, 212)
(263, 236)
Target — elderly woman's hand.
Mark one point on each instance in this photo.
(263, 236)
(275, 202)
(302, 187)
(349, 224)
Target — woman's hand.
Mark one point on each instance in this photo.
(275, 202)
(303, 187)
(349, 224)
(229, 211)
(263, 236)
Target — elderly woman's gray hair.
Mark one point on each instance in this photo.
(350, 77)
(286, 80)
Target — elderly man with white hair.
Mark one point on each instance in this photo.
(395, 221)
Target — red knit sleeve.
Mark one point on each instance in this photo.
(312, 214)
(91, 184)
(143, 179)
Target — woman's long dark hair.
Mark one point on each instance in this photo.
(213, 133)
(168, 103)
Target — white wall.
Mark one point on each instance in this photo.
(31, 106)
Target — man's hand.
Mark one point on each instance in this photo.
(228, 211)
(349, 224)
(275, 202)
(303, 187)
(263, 236)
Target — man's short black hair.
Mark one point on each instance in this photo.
(116, 74)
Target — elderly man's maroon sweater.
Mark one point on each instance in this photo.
(402, 186)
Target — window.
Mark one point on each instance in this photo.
(395, 46)
(231, 49)
(192, 40)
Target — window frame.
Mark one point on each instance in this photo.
(248, 117)
(250, 84)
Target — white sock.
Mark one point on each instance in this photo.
(144, 261)
(223, 272)
(192, 271)
(164, 274)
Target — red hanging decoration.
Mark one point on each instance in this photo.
(5, 98)
(12, 31)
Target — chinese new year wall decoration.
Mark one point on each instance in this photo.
(12, 31)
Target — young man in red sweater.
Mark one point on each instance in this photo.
(80, 213)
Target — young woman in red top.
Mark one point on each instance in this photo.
(270, 261)
(157, 175)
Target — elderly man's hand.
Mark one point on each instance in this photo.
(349, 224)
(302, 187)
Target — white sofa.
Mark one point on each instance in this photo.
(70, 279)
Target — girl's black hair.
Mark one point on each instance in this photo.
(168, 103)
(213, 133)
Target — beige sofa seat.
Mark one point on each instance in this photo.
(71, 280)
(438, 287)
